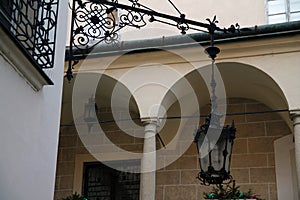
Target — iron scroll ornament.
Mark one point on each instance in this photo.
(100, 21)
(94, 23)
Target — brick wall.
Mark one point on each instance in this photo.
(253, 164)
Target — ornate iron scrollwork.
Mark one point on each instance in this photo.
(94, 22)
(100, 21)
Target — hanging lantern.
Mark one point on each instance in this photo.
(214, 142)
(90, 116)
(214, 145)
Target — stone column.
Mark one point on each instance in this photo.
(148, 163)
(295, 116)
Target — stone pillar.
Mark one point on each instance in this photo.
(295, 116)
(148, 163)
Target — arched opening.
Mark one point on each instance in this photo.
(248, 90)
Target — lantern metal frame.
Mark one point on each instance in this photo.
(90, 113)
(227, 135)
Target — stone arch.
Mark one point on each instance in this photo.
(102, 92)
(240, 81)
(247, 81)
(247, 87)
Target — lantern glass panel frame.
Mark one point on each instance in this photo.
(214, 147)
(90, 113)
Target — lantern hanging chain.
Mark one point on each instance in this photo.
(213, 82)
(212, 52)
(175, 7)
(213, 85)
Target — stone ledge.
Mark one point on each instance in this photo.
(15, 57)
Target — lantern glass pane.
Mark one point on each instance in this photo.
(86, 111)
(228, 157)
(203, 149)
(217, 154)
(90, 112)
(204, 163)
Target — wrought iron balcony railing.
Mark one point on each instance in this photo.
(31, 24)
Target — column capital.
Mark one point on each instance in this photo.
(294, 113)
(295, 116)
(150, 120)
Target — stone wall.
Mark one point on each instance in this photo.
(253, 164)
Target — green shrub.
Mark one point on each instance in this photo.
(75, 196)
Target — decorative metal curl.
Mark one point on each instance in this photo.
(232, 29)
(207, 179)
(182, 25)
(94, 23)
(133, 19)
(134, 2)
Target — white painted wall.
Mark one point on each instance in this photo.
(286, 168)
(29, 127)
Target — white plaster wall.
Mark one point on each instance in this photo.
(285, 168)
(246, 12)
(29, 126)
